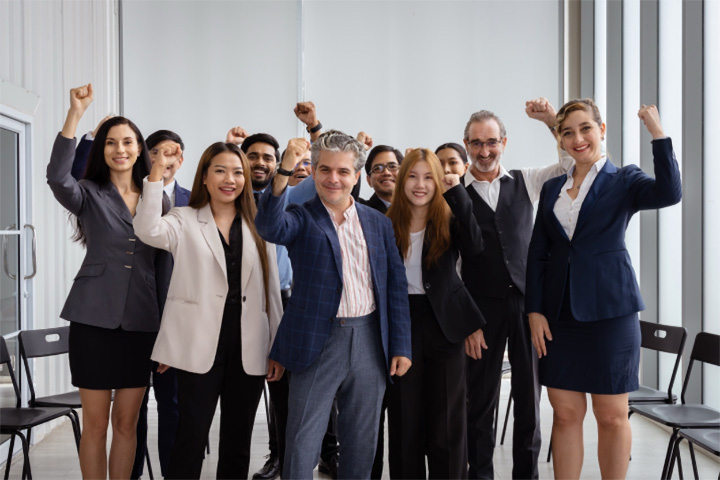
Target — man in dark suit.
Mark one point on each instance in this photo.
(382, 167)
(165, 384)
(503, 207)
(347, 325)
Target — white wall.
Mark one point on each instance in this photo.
(47, 47)
(408, 73)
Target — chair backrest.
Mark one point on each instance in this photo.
(5, 360)
(706, 349)
(42, 343)
(664, 338)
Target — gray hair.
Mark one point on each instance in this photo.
(483, 116)
(337, 141)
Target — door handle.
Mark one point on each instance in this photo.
(34, 251)
(6, 265)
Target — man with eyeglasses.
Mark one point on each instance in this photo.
(503, 206)
(382, 167)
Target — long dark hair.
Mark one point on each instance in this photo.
(98, 171)
(244, 203)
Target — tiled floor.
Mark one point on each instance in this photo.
(55, 458)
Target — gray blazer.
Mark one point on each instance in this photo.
(115, 286)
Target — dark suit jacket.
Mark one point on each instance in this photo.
(375, 202)
(115, 285)
(308, 233)
(454, 308)
(602, 280)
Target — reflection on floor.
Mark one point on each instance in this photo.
(53, 458)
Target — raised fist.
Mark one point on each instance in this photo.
(305, 112)
(295, 151)
(365, 139)
(651, 118)
(541, 109)
(236, 135)
(450, 180)
(81, 97)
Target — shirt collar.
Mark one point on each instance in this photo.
(170, 188)
(349, 212)
(470, 178)
(597, 166)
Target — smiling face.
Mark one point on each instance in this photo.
(581, 137)
(224, 178)
(485, 159)
(121, 148)
(383, 182)
(335, 177)
(420, 185)
(261, 157)
(451, 161)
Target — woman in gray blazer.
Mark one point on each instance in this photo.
(112, 305)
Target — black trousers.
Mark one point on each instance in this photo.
(426, 406)
(506, 321)
(198, 394)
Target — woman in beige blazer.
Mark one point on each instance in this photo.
(223, 306)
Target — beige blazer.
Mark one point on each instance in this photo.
(191, 321)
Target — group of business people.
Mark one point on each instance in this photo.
(377, 300)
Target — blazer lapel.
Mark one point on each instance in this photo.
(553, 191)
(212, 237)
(596, 191)
(322, 218)
(372, 238)
(116, 202)
(248, 255)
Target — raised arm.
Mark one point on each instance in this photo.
(466, 233)
(66, 189)
(306, 113)
(666, 188)
(82, 152)
(149, 224)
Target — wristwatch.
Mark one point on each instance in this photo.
(282, 171)
(314, 129)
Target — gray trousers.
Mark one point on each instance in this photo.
(352, 368)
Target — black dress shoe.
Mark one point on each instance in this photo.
(329, 468)
(270, 470)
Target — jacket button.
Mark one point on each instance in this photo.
(427, 286)
(243, 298)
(128, 266)
(507, 262)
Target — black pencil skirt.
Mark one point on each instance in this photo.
(105, 359)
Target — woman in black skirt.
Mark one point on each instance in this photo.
(112, 305)
(582, 297)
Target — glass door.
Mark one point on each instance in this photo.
(17, 250)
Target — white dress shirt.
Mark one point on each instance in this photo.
(566, 209)
(534, 179)
(169, 190)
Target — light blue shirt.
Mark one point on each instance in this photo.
(283, 261)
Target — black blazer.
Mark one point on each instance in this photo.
(453, 306)
(376, 203)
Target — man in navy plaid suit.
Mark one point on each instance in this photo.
(347, 325)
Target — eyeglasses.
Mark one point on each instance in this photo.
(379, 168)
(478, 144)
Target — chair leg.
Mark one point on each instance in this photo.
(694, 463)
(675, 457)
(497, 410)
(668, 455)
(149, 465)
(507, 414)
(26, 456)
(549, 448)
(9, 459)
(76, 427)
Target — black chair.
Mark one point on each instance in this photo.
(661, 338)
(681, 416)
(45, 343)
(14, 420)
(706, 438)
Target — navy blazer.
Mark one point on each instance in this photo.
(115, 286)
(602, 279)
(312, 242)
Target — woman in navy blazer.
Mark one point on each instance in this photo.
(112, 305)
(582, 296)
(426, 407)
